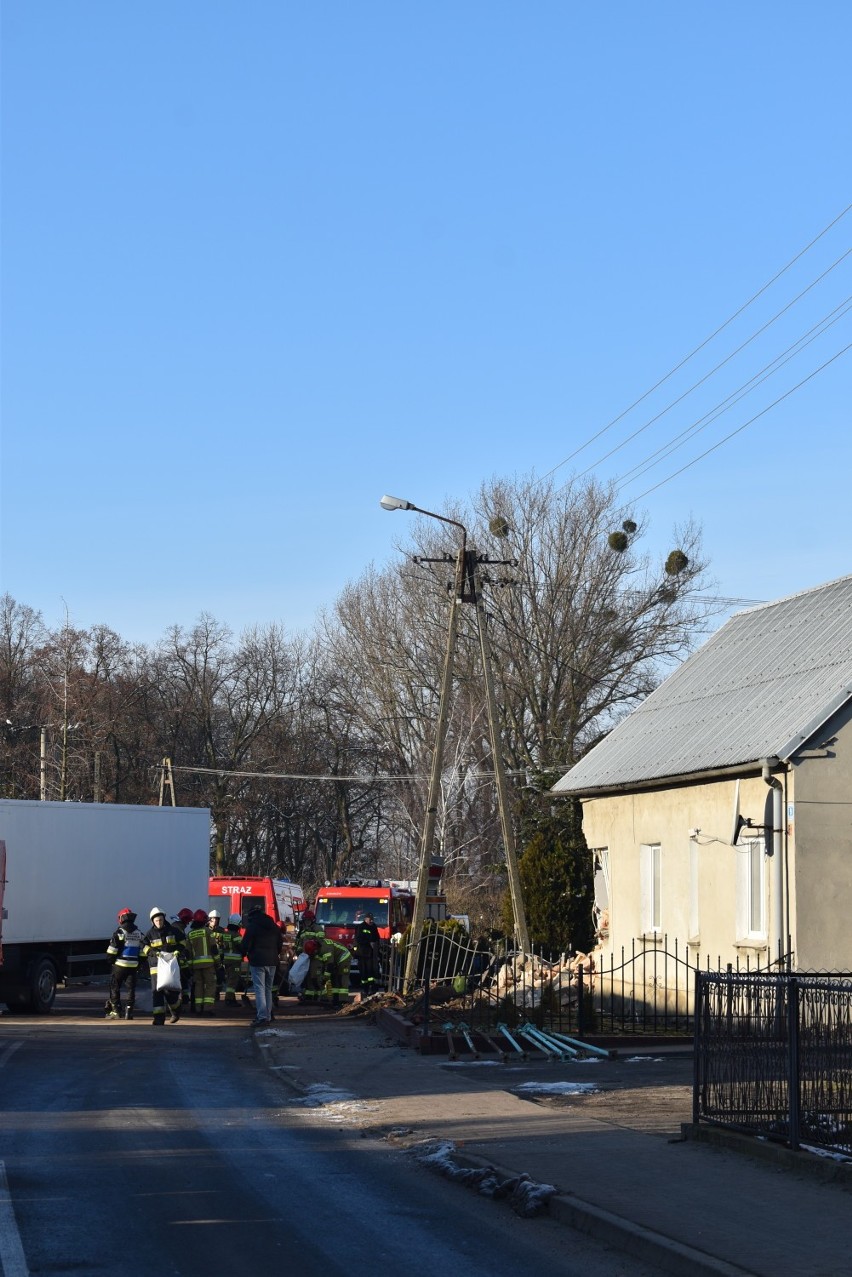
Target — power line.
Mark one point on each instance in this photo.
(701, 346)
(721, 364)
(714, 413)
(361, 780)
(739, 429)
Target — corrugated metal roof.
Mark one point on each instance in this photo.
(767, 677)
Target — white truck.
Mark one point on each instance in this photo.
(66, 869)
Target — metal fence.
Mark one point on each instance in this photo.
(773, 1056)
(649, 989)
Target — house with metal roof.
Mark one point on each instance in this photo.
(720, 810)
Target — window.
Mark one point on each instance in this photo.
(650, 886)
(751, 890)
(602, 889)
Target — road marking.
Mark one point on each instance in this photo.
(12, 1259)
(9, 1052)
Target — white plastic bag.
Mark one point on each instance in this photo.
(299, 973)
(168, 972)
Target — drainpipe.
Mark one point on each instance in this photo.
(777, 945)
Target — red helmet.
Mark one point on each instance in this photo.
(125, 913)
(309, 916)
(199, 916)
(185, 915)
(310, 947)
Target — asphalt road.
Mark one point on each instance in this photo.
(174, 1150)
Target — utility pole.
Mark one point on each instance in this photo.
(466, 589)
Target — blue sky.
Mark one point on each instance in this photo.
(263, 263)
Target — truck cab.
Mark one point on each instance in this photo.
(341, 906)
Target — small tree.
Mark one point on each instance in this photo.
(557, 881)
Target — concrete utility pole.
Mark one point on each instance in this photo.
(466, 590)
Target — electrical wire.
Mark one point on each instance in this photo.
(361, 780)
(735, 397)
(721, 364)
(701, 346)
(739, 429)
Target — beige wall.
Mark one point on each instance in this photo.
(821, 871)
(624, 822)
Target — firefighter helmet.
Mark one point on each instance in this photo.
(185, 915)
(214, 913)
(157, 912)
(310, 947)
(199, 916)
(309, 916)
(234, 919)
(125, 913)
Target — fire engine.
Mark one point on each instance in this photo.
(282, 899)
(340, 906)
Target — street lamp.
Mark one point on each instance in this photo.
(466, 590)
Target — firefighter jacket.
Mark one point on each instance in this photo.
(366, 936)
(311, 932)
(125, 947)
(231, 952)
(203, 950)
(159, 940)
(336, 955)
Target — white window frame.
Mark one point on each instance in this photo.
(752, 918)
(650, 894)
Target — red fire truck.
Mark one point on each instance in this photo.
(341, 906)
(282, 899)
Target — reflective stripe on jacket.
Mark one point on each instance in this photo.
(162, 940)
(203, 950)
(125, 947)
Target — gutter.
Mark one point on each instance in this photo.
(708, 774)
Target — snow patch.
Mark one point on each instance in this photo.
(557, 1088)
(526, 1196)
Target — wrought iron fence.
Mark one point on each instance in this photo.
(649, 989)
(773, 1056)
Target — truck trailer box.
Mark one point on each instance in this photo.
(70, 867)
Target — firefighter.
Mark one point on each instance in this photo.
(314, 985)
(183, 922)
(163, 937)
(124, 948)
(203, 957)
(233, 959)
(218, 930)
(367, 951)
(338, 961)
(310, 933)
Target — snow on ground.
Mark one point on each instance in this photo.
(525, 1195)
(557, 1088)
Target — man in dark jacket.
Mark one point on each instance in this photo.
(262, 945)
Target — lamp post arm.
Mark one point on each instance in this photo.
(443, 519)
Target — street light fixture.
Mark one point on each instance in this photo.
(466, 590)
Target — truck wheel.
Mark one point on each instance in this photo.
(42, 986)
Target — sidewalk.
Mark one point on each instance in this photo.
(613, 1150)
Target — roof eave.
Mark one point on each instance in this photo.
(799, 741)
(752, 768)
